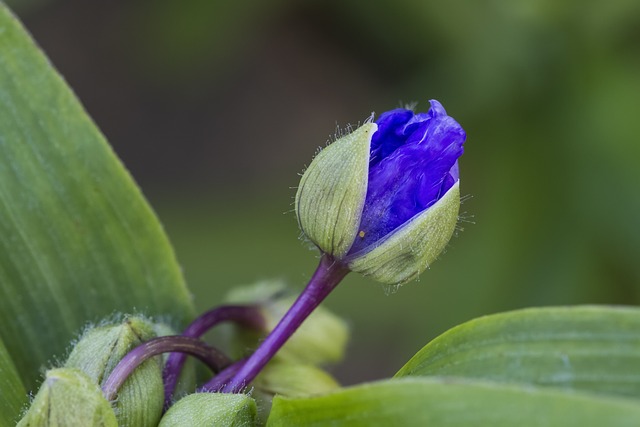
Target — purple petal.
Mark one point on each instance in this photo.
(406, 180)
(390, 134)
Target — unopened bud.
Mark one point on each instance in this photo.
(383, 200)
(141, 397)
(69, 398)
(211, 409)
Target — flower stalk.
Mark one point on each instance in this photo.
(326, 277)
(244, 315)
(212, 357)
(218, 382)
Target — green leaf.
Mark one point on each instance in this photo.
(588, 348)
(78, 239)
(453, 403)
(13, 395)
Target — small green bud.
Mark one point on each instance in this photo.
(99, 350)
(294, 379)
(288, 379)
(211, 409)
(409, 250)
(69, 398)
(332, 192)
(321, 339)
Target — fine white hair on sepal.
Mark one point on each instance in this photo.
(465, 198)
(463, 217)
(391, 289)
(370, 119)
(349, 128)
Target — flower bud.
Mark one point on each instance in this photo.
(289, 379)
(384, 199)
(69, 398)
(141, 397)
(211, 409)
(321, 339)
(294, 379)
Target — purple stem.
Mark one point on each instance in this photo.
(220, 380)
(326, 277)
(212, 357)
(245, 315)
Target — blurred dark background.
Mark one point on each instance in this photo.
(216, 106)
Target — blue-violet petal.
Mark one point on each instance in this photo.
(413, 164)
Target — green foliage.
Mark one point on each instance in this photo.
(12, 391)
(446, 402)
(544, 366)
(79, 242)
(533, 367)
(78, 239)
(592, 349)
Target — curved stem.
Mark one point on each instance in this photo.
(212, 357)
(245, 315)
(326, 277)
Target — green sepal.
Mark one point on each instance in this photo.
(410, 249)
(211, 409)
(69, 398)
(141, 397)
(332, 192)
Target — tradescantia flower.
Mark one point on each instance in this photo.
(384, 199)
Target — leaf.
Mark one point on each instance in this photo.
(587, 348)
(79, 242)
(453, 403)
(13, 396)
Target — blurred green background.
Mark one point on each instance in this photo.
(216, 106)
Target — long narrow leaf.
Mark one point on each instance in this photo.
(77, 239)
(586, 348)
(13, 396)
(440, 402)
